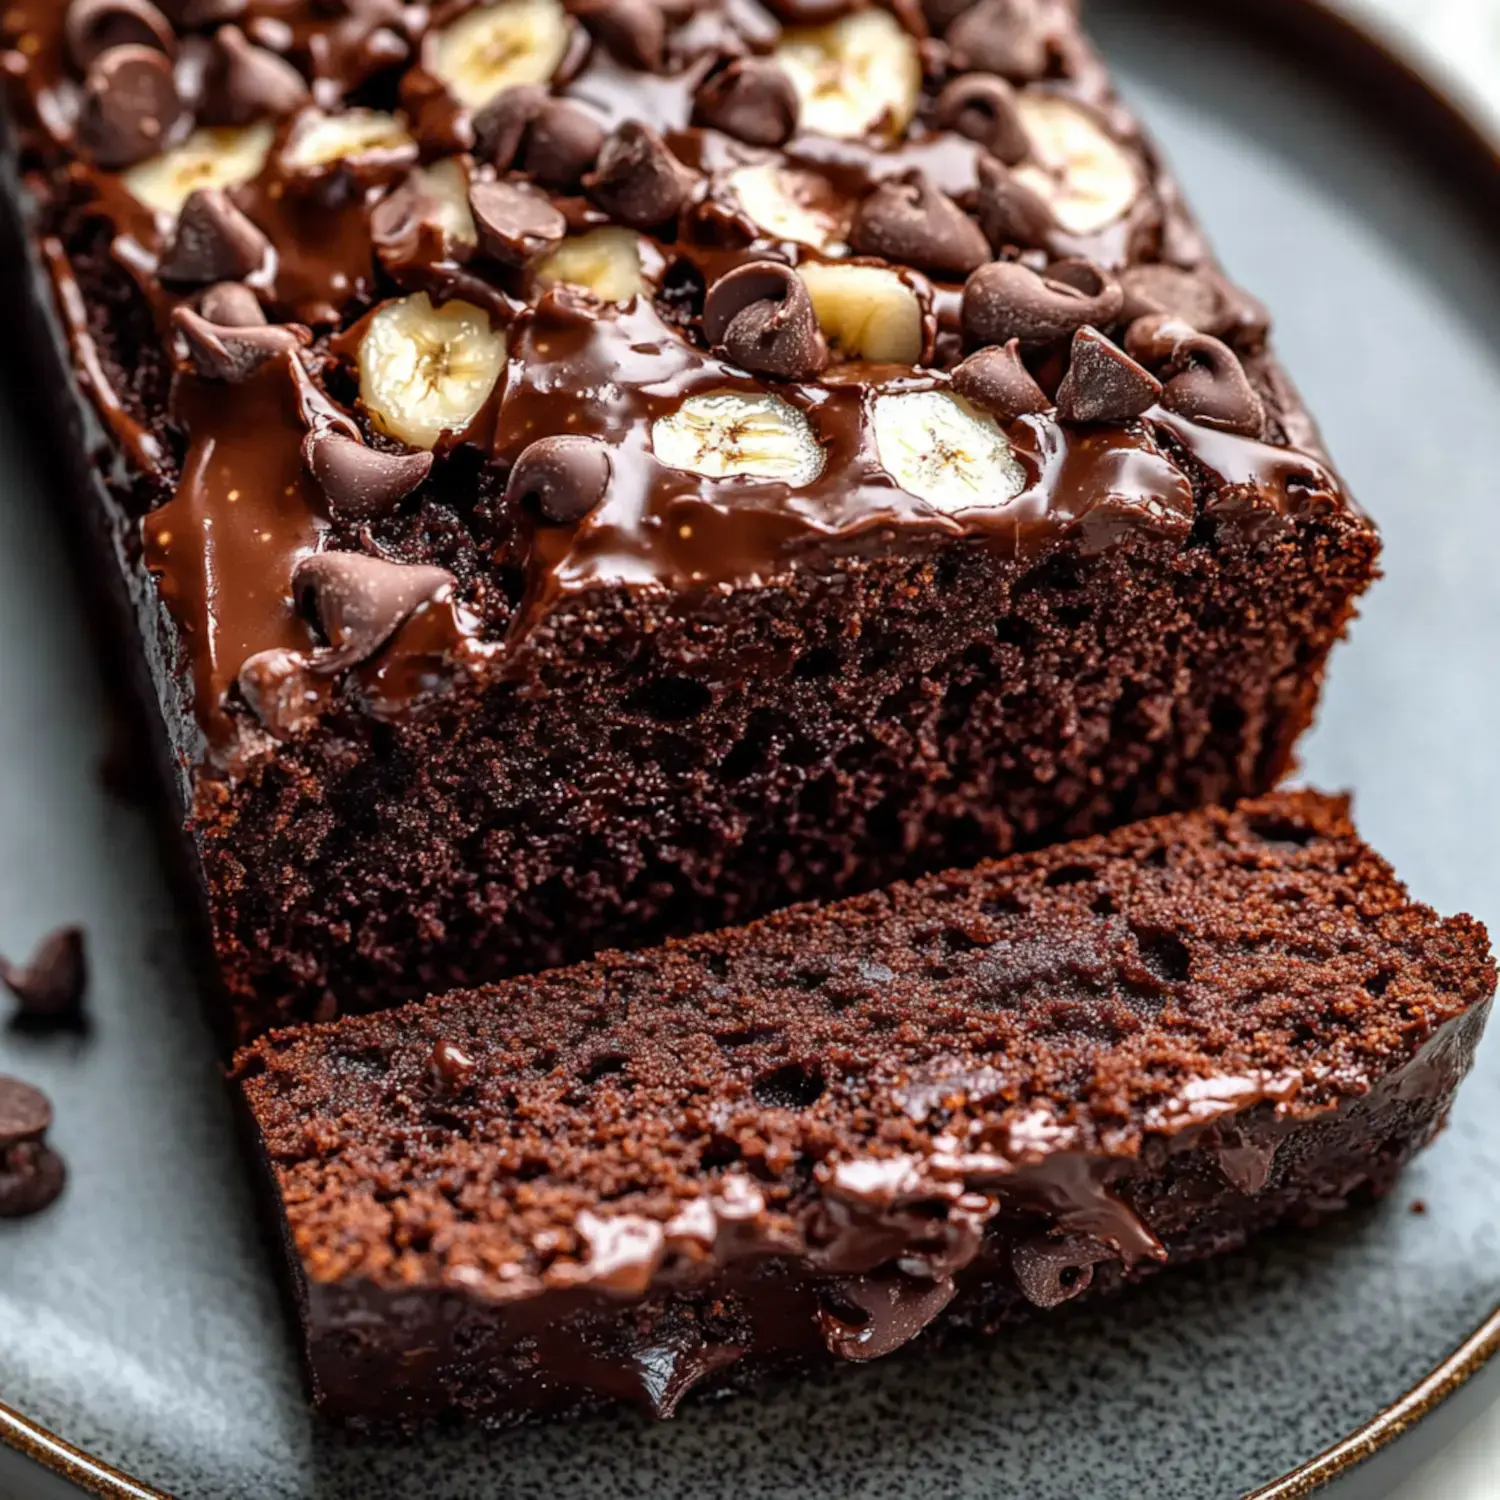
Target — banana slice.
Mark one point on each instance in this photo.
(944, 451)
(426, 370)
(446, 183)
(861, 75)
(865, 312)
(727, 432)
(792, 205)
(494, 46)
(320, 140)
(606, 262)
(207, 158)
(1087, 179)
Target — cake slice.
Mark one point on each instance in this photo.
(844, 1128)
(582, 473)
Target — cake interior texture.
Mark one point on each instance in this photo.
(790, 497)
(928, 1109)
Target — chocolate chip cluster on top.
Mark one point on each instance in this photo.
(672, 291)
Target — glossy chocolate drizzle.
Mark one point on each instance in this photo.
(245, 510)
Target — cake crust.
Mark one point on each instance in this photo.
(934, 1107)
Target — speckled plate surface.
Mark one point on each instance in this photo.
(139, 1322)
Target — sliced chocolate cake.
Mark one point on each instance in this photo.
(587, 471)
(931, 1108)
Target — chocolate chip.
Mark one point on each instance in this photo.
(94, 26)
(563, 143)
(407, 228)
(1207, 383)
(213, 241)
(233, 305)
(634, 30)
(1191, 296)
(130, 105)
(360, 602)
(750, 98)
(1009, 37)
(449, 1067)
(1151, 339)
(637, 180)
(233, 354)
(32, 1177)
(359, 483)
(25, 1113)
(515, 226)
(1050, 1272)
(983, 108)
(1006, 300)
(195, 13)
(50, 985)
(248, 83)
(561, 478)
(1012, 215)
(997, 379)
(908, 220)
(276, 687)
(761, 317)
(501, 125)
(1103, 383)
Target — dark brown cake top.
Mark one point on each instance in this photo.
(870, 1079)
(658, 293)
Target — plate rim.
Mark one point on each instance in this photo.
(1363, 47)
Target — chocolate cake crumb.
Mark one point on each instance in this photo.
(933, 1108)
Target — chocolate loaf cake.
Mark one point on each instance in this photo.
(584, 470)
(930, 1108)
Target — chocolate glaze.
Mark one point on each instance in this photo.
(223, 563)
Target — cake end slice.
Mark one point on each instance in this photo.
(840, 1129)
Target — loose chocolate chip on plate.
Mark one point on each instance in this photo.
(250, 83)
(450, 1068)
(515, 226)
(997, 379)
(25, 1113)
(360, 483)
(750, 98)
(1006, 300)
(909, 220)
(213, 241)
(234, 354)
(637, 179)
(562, 478)
(1207, 383)
(761, 316)
(130, 105)
(32, 1177)
(1103, 383)
(94, 26)
(1009, 37)
(50, 985)
(360, 602)
(232, 304)
(1012, 215)
(983, 108)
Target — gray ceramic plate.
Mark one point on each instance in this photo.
(138, 1319)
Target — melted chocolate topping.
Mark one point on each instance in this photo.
(297, 183)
